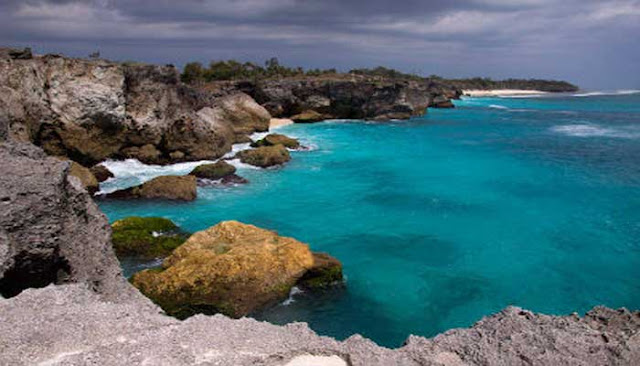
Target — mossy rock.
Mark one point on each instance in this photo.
(217, 170)
(146, 237)
(275, 139)
(326, 272)
(265, 156)
(231, 268)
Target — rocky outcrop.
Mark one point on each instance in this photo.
(171, 187)
(101, 172)
(219, 172)
(51, 231)
(145, 237)
(234, 269)
(277, 139)
(81, 329)
(85, 176)
(345, 96)
(265, 156)
(90, 110)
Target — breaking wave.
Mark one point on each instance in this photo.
(600, 93)
(590, 130)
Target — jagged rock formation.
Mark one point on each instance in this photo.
(234, 269)
(89, 110)
(344, 96)
(52, 233)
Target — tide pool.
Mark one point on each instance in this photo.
(446, 218)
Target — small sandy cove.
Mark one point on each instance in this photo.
(279, 122)
(500, 92)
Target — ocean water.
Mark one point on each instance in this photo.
(446, 218)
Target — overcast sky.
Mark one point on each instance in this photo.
(594, 43)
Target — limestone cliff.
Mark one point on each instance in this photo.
(90, 110)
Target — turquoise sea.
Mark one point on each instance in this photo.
(446, 218)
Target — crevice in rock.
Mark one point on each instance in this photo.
(34, 270)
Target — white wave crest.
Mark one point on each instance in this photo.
(497, 106)
(615, 92)
(585, 130)
(294, 291)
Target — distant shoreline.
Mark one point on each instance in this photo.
(500, 92)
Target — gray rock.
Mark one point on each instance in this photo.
(71, 325)
(90, 110)
(51, 231)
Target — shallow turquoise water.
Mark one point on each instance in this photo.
(443, 219)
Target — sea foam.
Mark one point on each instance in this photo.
(601, 93)
(592, 130)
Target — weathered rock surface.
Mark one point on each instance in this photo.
(70, 325)
(219, 172)
(231, 268)
(86, 177)
(51, 231)
(146, 237)
(171, 187)
(277, 139)
(311, 99)
(265, 156)
(90, 110)
(101, 172)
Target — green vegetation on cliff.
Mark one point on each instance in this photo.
(234, 70)
(477, 83)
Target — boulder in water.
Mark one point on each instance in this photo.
(146, 237)
(183, 188)
(277, 139)
(101, 172)
(232, 268)
(217, 170)
(265, 156)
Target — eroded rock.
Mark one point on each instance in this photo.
(171, 187)
(51, 231)
(231, 268)
(265, 156)
(277, 139)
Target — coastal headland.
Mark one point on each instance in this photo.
(64, 299)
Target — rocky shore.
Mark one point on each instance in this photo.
(52, 235)
(63, 298)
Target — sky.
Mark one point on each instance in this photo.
(593, 43)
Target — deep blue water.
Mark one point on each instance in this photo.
(443, 219)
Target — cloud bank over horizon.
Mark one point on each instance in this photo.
(595, 44)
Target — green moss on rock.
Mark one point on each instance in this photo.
(326, 272)
(265, 156)
(147, 237)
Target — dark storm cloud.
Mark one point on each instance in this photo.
(591, 42)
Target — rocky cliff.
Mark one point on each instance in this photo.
(51, 233)
(344, 96)
(90, 110)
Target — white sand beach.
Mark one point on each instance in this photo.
(501, 92)
(279, 122)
